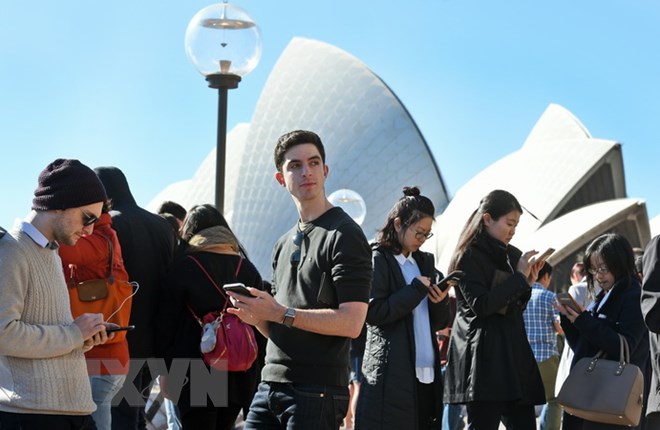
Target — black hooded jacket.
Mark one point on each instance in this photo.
(147, 244)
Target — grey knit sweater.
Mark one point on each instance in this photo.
(42, 366)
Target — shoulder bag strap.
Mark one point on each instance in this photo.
(111, 277)
(238, 268)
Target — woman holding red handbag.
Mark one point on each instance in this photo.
(190, 294)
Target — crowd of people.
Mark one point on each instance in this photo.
(349, 333)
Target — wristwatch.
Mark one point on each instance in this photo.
(289, 316)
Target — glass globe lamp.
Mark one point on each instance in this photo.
(223, 39)
(351, 202)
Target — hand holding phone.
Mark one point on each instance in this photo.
(542, 257)
(113, 328)
(454, 276)
(238, 288)
(568, 301)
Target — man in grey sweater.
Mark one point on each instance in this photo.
(43, 376)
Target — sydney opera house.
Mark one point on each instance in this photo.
(574, 188)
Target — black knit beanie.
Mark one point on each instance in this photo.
(65, 184)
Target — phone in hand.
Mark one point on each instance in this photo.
(544, 256)
(455, 276)
(238, 288)
(568, 301)
(119, 328)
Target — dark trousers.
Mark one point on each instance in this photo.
(210, 418)
(10, 421)
(487, 416)
(279, 406)
(131, 417)
(426, 408)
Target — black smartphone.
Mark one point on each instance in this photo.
(114, 329)
(568, 301)
(456, 276)
(238, 288)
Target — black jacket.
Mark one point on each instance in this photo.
(147, 245)
(388, 392)
(597, 330)
(651, 312)
(489, 357)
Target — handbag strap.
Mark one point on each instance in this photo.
(624, 356)
(238, 269)
(111, 278)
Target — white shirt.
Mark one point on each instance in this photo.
(424, 355)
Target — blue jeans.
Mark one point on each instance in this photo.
(104, 388)
(452, 418)
(297, 407)
(172, 414)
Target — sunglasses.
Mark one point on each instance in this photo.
(88, 219)
(297, 241)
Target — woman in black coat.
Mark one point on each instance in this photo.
(616, 310)
(491, 367)
(188, 290)
(402, 385)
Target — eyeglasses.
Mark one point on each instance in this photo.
(297, 241)
(88, 219)
(419, 235)
(602, 270)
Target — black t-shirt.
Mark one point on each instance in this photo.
(334, 248)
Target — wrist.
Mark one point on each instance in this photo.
(289, 317)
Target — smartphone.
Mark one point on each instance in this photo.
(568, 301)
(238, 288)
(542, 257)
(456, 275)
(114, 329)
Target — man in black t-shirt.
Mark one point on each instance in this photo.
(321, 282)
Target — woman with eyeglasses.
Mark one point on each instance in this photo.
(491, 368)
(610, 265)
(402, 383)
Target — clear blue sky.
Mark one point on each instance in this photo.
(109, 82)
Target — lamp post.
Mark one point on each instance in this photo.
(351, 202)
(224, 43)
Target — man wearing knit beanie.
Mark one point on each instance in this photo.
(43, 375)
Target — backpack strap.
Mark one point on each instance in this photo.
(222, 293)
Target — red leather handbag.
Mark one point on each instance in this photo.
(227, 342)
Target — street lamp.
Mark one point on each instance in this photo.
(224, 43)
(351, 202)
